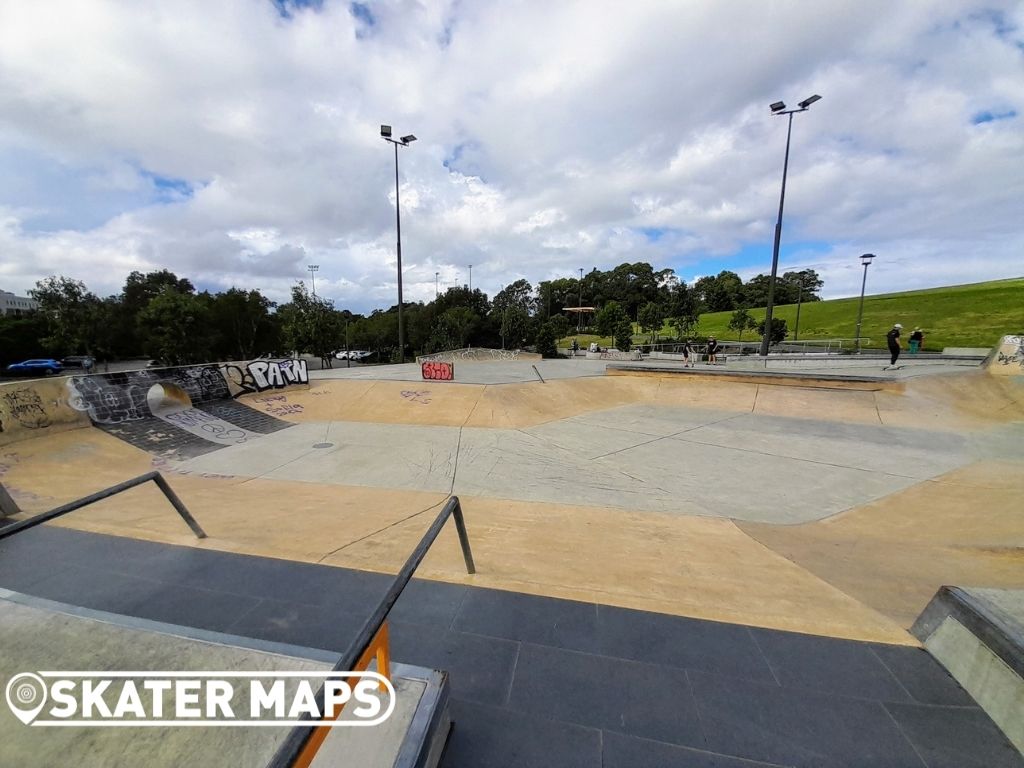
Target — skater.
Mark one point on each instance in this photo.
(575, 347)
(712, 351)
(687, 354)
(916, 341)
(893, 339)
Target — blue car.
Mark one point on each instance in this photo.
(35, 367)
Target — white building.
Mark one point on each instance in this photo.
(16, 305)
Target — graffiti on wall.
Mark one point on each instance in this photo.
(261, 375)
(114, 398)
(417, 396)
(25, 406)
(438, 370)
(278, 405)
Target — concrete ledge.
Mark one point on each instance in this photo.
(781, 378)
(978, 636)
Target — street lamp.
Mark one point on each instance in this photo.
(313, 269)
(779, 108)
(865, 260)
(436, 276)
(385, 133)
(470, 277)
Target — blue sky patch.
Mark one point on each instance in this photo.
(365, 16)
(990, 116)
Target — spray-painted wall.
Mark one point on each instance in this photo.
(1007, 359)
(117, 401)
(31, 408)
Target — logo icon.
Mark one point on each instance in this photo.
(26, 696)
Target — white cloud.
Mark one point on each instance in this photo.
(235, 146)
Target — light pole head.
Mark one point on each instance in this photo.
(866, 258)
(408, 139)
(808, 101)
(385, 131)
(778, 106)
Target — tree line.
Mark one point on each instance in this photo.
(161, 316)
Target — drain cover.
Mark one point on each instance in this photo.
(323, 445)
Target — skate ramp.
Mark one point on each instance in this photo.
(1007, 359)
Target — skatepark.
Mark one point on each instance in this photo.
(705, 566)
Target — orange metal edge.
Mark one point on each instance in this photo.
(379, 650)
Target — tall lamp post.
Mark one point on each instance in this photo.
(779, 108)
(385, 133)
(470, 277)
(865, 260)
(313, 269)
(436, 276)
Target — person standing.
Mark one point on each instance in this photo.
(687, 354)
(893, 339)
(916, 341)
(712, 351)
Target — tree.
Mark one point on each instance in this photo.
(174, 328)
(742, 321)
(624, 335)
(608, 318)
(245, 328)
(71, 314)
(139, 290)
(310, 324)
(807, 282)
(651, 318)
(452, 329)
(21, 336)
(514, 327)
(779, 331)
(546, 340)
(721, 293)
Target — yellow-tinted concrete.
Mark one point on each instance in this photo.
(688, 566)
(30, 409)
(965, 527)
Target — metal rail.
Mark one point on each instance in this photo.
(156, 477)
(292, 749)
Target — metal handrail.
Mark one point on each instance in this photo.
(292, 748)
(156, 477)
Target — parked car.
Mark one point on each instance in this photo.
(78, 361)
(41, 367)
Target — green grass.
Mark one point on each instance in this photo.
(974, 315)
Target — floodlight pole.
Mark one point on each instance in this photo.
(865, 260)
(799, 296)
(780, 109)
(385, 132)
(313, 269)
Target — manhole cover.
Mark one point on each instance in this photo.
(323, 445)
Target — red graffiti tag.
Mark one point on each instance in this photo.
(437, 370)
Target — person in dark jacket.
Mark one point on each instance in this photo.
(713, 351)
(916, 341)
(893, 339)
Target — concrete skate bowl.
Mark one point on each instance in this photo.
(735, 501)
(478, 355)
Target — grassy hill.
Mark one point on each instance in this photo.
(974, 315)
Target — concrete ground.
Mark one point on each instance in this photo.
(826, 508)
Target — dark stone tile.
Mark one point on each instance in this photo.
(480, 668)
(540, 620)
(429, 602)
(925, 679)
(299, 624)
(829, 665)
(188, 606)
(955, 737)
(29, 557)
(630, 752)
(92, 588)
(488, 737)
(645, 700)
(243, 416)
(797, 727)
(680, 642)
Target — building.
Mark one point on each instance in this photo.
(16, 305)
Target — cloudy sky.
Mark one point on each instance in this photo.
(235, 142)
